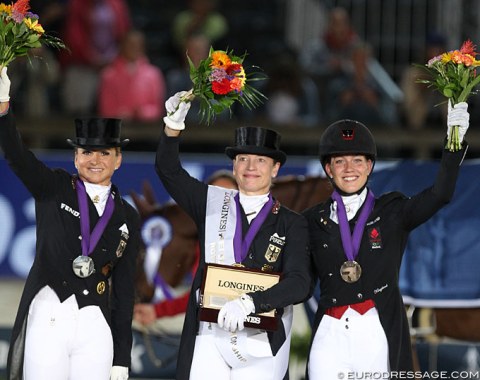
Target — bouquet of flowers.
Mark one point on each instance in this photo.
(21, 31)
(454, 75)
(219, 81)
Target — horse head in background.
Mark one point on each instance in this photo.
(170, 236)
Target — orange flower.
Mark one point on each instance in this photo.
(236, 84)
(220, 59)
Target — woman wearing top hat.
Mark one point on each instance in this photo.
(358, 241)
(75, 314)
(266, 235)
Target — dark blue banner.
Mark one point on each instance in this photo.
(441, 261)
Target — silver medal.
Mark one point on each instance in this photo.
(83, 266)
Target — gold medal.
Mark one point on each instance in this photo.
(350, 271)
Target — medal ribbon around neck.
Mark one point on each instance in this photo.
(351, 243)
(90, 240)
(240, 247)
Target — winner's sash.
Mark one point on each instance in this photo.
(223, 283)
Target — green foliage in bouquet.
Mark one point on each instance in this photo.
(20, 31)
(219, 81)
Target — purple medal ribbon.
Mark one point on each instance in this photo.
(159, 282)
(240, 247)
(351, 243)
(89, 241)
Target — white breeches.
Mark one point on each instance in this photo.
(209, 362)
(64, 342)
(354, 343)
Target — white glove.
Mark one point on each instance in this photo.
(177, 110)
(119, 373)
(4, 86)
(232, 315)
(458, 115)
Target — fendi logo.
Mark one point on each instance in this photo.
(67, 208)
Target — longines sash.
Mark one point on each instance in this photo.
(222, 281)
(220, 222)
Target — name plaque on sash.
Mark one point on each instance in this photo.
(223, 283)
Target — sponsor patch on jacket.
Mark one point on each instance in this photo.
(375, 238)
(274, 248)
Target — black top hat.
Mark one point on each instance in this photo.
(259, 141)
(97, 133)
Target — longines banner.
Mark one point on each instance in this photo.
(441, 262)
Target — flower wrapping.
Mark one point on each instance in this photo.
(219, 81)
(20, 31)
(454, 75)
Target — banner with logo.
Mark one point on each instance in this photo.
(441, 259)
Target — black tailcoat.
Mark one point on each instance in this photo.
(382, 247)
(294, 261)
(58, 244)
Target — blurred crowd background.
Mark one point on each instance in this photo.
(324, 60)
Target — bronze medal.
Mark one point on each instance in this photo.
(350, 271)
(101, 287)
(83, 266)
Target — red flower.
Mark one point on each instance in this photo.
(221, 88)
(234, 68)
(21, 6)
(468, 47)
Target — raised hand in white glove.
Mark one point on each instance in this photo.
(231, 316)
(4, 86)
(119, 373)
(177, 110)
(458, 116)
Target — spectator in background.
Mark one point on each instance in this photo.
(329, 56)
(356, 95)
(201, 17)
(131, 88)
(35, 82)
(93, 30)
(293, 98)
(197, 47)
(422, 105)
(51, 13)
